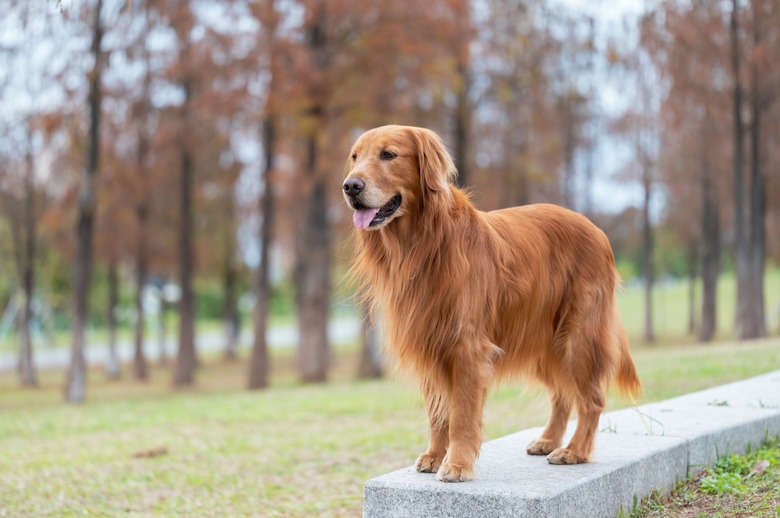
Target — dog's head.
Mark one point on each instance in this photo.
(394, 171)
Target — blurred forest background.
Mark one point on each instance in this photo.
(167, 162)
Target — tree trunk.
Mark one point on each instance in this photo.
(757, 234)
(186, 360)
(587, 181)
(258, 360)
(230, 314)
(162, 335)
(113, 369)
(710, 257)
(312, 277)
(743, 326)
(313, 244)
(75, 388)
(509, 193)
(757, 203)
(569, 148)
(516, 191)
(27, 371)
(370, 357)
(647, 256)
(462, 126)
(140, 369)
(692, 287)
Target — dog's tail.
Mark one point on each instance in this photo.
(626, 378)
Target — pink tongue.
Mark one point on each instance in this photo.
(363, 217)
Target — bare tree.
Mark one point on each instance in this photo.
(142, 204)
(647, 250)
(758, 183)
(370, 365)
(113, 367)
(258, 360)
(27, 270)
(230, 314)
(312, 270)
(711, 250)
(463, 111)
(312, 274)
(75, 388)
(259, 365)
(186, 359)
(748, 322)
(691, 256)
(140, 369)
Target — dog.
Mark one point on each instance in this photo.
(468, 297)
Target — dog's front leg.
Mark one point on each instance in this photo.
(468, 391)
(439, 430)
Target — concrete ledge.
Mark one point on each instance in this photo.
(637, 450)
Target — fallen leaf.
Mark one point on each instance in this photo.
(154, 452)
(759, 467)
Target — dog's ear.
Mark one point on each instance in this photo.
(436, 166)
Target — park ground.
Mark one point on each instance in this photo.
(139, 449)
(737, 486)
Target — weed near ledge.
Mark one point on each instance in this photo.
(737, 486)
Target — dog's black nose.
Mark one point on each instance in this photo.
(353, 186)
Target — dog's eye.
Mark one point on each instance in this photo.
(387, 155)
(354, 156)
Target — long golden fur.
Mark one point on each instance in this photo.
(466, 297)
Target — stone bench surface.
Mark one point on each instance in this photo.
(652, 446)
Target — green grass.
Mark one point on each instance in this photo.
(733, 487)
(293, 450)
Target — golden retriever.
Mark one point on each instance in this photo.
(467, 297)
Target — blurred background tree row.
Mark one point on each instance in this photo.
(184, 157)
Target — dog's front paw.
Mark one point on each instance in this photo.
(449, 472)
(428, 463)
(540, 446)
(566, 456)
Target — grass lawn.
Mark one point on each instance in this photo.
(294, 450)
(670, 306)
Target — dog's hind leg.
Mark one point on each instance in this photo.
(439, 432)
(552, 436)
(551, 373)
(590, 404)
(587, 364)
